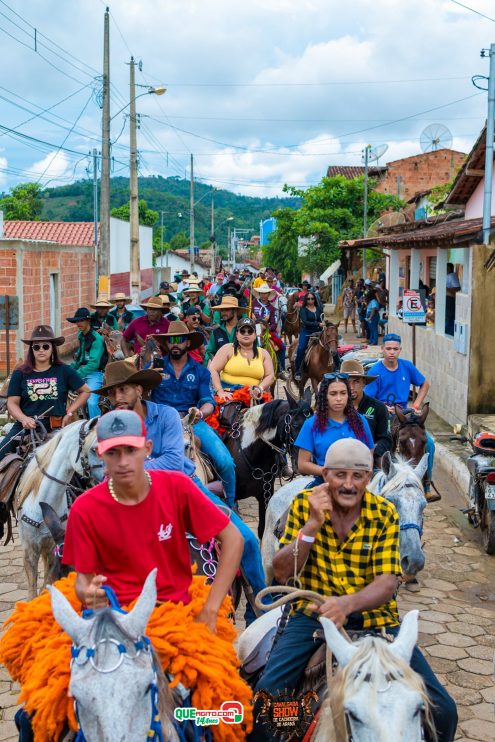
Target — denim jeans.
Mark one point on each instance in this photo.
(292, 652)
(301, 349)
(94, 380)
(430, 450)
(215, 448)
(251, 556)
(373, 329)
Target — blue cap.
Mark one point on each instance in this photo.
(120, 428)
(392, 337)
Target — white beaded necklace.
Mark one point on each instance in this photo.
(112, 490)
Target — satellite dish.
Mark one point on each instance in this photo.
(374, 153)
(389, 219)
(435, 136)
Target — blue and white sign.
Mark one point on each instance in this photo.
(413, 311)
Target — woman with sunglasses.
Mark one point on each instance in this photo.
(40, 387)
(335, 418)
(242, 363)
(310, 322)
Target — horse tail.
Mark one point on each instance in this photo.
(33, 475)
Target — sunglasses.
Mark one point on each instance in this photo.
(334, 376)
(44, 346)
(195, 319)
(177, 339)
(246, 331)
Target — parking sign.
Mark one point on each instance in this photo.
(413, 311)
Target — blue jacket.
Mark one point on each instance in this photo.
(164, 428)
(192, 389)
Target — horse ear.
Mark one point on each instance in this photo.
(424, 413)
(290, 399)
(343, 650)
(53, 522)
(400, 415)
(307, 395)
(66, 617)
(388, 466)
(135, 622)
(403, 646)
(421, 468)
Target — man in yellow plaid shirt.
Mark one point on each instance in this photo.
(343, 542)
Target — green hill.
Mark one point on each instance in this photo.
(171, 195)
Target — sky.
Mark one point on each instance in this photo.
(261, 92)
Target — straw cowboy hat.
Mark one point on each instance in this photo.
(164, 298)
(193, 288)
(154, 302)
(120, 296)
(230, 302)
(265, 289)
(43, 333)
(356, 370)
(118, 373)
(177, 327)
(101, 303)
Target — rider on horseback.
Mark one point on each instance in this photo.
(394, 377)
(125, 388)
(264, 311)
(186, 386)
(342, 542)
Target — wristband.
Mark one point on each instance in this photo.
(306, 539)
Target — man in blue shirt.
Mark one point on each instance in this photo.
(125, 387)
(393, 384)
(186, 386)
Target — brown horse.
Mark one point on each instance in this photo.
(291, 324)
(321, 357)
(409, 434)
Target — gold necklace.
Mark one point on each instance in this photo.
(112, 490)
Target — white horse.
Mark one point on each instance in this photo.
(121, 688)
(46, 478)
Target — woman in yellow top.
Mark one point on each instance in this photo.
(242, 363)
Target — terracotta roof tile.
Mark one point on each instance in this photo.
(354, 171)
(63, 233)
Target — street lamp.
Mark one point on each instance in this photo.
(133, 183)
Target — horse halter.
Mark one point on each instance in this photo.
(141, 645)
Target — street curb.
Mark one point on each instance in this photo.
(454, 466)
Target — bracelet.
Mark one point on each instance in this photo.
(71, 414)
(307, 539)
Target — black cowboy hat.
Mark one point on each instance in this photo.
(44, 332)
(81, 313)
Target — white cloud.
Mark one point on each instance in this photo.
(54, 168)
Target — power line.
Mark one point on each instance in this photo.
(473, 10)
(327, 83)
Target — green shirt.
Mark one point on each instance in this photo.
(212, 346)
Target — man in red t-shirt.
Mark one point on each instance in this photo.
(137, 520)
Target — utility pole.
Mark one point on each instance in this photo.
(161, 246)
(234, 245)
(490, 123)
(191, 217)
(104, 241)
(95, 202)
(212, 233)
(133, 184)
(365, 203)
(229, 245)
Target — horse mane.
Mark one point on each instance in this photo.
(269, 417)
(33, 476)
(372, 661)
(404, 473)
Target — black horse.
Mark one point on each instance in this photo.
(259, 444)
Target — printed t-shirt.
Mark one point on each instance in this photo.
(41, 390)
(125, 542)
(318, 442)
(392, 387)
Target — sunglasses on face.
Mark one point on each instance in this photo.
(177, 339)
(43, 346)
(334, 376)
(195, 319)
(246, 331)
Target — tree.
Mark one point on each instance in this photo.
(147, 217)
(23, 203)
(179, 241)
(330, 211)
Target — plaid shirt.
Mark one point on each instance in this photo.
(371, 548)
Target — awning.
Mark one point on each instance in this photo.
(330, 271)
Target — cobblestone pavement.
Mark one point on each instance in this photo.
(456, 597)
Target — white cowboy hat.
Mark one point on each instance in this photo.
(265, 289)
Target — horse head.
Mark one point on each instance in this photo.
(299, 411)
(375, 694)
(114, 670)
(400, 483)
(57, 531)
(411, 435)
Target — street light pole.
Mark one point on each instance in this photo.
(133, 186)
(161, 246)
(212, 233)
(191, 216)
(365, 203)
(103, 243)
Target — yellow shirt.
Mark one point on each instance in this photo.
(238, 370)
(258, 282)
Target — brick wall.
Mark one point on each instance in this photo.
(420, 172)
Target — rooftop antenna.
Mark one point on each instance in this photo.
(434, 137)
(375, 153)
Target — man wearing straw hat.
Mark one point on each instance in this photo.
(373, 410)
(264, 311)
(193, 296)
(102, 314)
(123, 316)
(153, 323)
(224, 332)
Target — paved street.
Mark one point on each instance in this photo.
(456, 598)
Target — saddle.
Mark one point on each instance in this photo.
(312, 341)
(11, 468)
